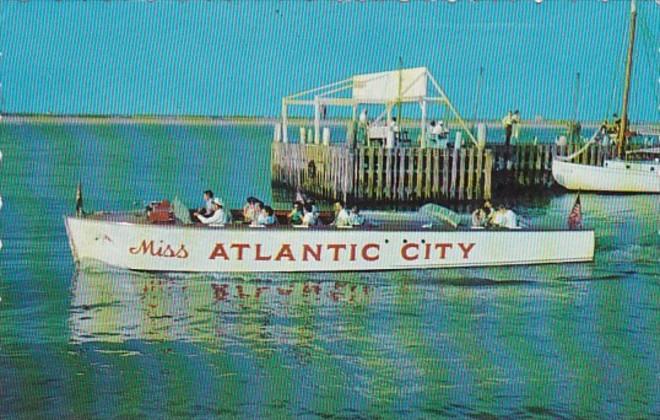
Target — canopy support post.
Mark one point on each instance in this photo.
(461, 122)
(422, 142)
(317, 121)
(285, 118)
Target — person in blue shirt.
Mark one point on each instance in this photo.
(267, 216)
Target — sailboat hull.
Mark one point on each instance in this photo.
(615, 177)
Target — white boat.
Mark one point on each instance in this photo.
(628, 176)
(616, 175)
(130, 241)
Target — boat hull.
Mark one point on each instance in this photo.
(146, 247)
(615, 179)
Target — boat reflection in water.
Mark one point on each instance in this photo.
(114, 306)
(119, 305)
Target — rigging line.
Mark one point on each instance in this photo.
(616, 78)
(653, 64)
(648, 39)
(2, 59)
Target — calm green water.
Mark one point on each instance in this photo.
(575, 340)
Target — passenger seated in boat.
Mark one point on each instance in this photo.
(315, 208)
(504, 218)
(342, 218)
(267, 216)
(479, 218)
(310, 218)
(250, 213)
(258, 208)
(218, 217)
(296, 215)
(207, 210)
(355, 217)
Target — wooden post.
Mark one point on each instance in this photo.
(470, 174)
(521, 164)
(445, 173)
(461, 175)
(436, 173)
(317, 121)
(379, 174)
(423, 127)
(402, 172)
(395, 172)
(388, 172)
(454, 174)
(420, 173)
(427, 180)
(285, 122)
(488, 169)
(539, 164)
(547, 169)
(410, 168)
(370, 179)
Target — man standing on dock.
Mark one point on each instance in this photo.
(507, 122)
(515, 124)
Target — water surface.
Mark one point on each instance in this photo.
(544, 341)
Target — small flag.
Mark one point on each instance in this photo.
(79, 200)
(575, 216)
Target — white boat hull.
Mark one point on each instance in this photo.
(620, 177)
(148, 247)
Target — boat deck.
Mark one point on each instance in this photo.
(375, 221)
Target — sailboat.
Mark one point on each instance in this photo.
(631, 175)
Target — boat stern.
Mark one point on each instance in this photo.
(71, 237)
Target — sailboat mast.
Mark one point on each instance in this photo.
(399, 93)
(623, 128)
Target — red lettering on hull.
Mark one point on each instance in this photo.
(162, 250)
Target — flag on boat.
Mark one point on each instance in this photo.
(79, 200)
(575, 216)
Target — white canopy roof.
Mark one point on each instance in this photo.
(405, 85)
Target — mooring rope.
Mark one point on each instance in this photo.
(579, 152)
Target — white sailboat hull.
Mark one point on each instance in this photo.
(149, 247)
(620, 177)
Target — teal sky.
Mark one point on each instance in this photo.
(239, 58)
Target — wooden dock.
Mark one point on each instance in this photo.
(413, 174)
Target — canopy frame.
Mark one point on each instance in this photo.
(326, 95)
